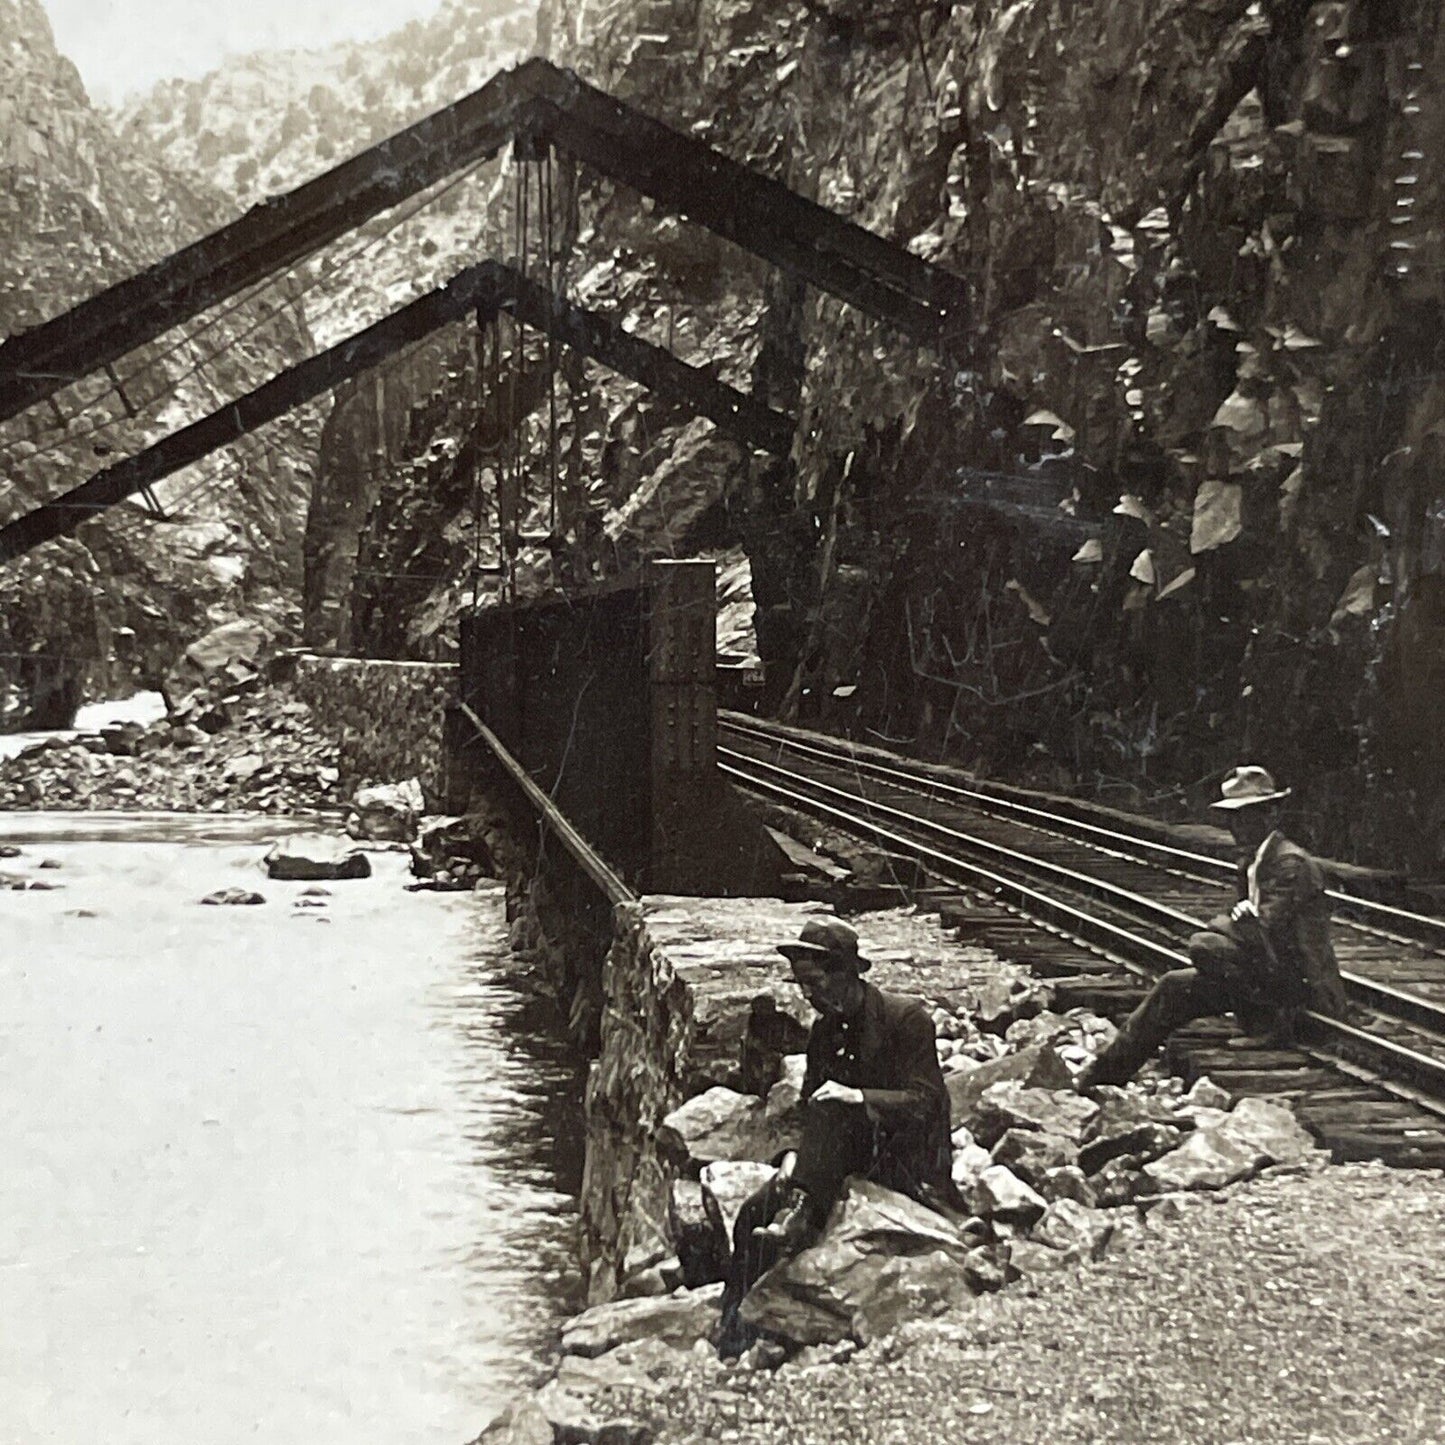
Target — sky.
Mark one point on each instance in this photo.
(123, 46)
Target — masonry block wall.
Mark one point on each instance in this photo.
(388, 717)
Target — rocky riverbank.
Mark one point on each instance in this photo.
(281, 735)
(1291, 1309)
(222, 750)
(249, 730)
(1092, 1224)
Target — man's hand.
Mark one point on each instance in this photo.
(1242, 910)
(833, 1092)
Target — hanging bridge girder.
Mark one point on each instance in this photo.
(486, 290)
(535, 102)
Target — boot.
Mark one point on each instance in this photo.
(792, 1225)
(1116, 1064)
(732, 1337)
(1264, 1029)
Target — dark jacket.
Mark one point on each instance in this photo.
(1294, 912)
(888, 1052)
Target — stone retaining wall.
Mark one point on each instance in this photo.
(678, 986)
(387, 717)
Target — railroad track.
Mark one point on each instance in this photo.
(1116, 910)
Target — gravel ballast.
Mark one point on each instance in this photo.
(1299, 1308)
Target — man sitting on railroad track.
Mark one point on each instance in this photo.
(874, 1103)
(1266, 961)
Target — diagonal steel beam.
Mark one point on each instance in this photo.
(486, 289)
(652, 366)
(691, 178)
(536, 101)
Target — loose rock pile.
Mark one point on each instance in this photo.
(227, 749)
(449, 855)
(1051, 1180)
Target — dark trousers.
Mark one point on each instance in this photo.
(838, 1140)
(1221, 980)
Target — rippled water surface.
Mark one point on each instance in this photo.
(265, 1177)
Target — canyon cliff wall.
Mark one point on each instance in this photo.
(81, 210)
(90, 197)
(1177, 505)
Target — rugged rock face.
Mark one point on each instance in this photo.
(1200, 375)
(80, 210)
(91, 198)
(269, 121)
(1202, 248)
(273, 119)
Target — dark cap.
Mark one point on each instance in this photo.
(828, 942)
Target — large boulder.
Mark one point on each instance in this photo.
(1039, 1068)
(1001, 1194)
(315, 858)
(231, 652)
(523, 1422)
(590, 1402)
(1034, 1156)
(1207, 1159)
(1257, 1133)
(388, 813)
(909, 1288)
(879, 1252)
(680, 1319)
(726, 1187)
(718, 1124)
(1270, 1128)
(1015, 1105)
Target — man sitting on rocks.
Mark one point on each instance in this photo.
(1267, 960)
(874, 1104)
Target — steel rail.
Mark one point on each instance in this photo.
(1123, 898)
(1129, 845)
(1410, 1008)
(1119, 942)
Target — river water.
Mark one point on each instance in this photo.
(266, 1177)
(143, 708)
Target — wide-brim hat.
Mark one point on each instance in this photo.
(1248, 787)
(828, 942)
